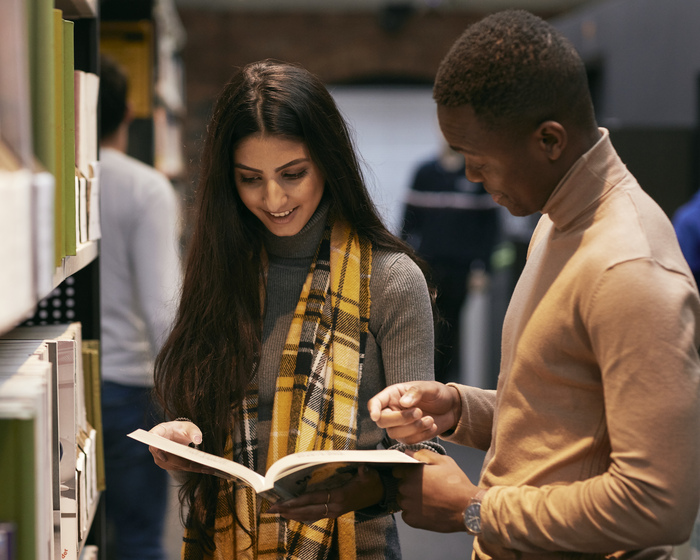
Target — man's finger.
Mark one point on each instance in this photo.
(393, 418)
(421, 430)
(383, 400)
(411, 397)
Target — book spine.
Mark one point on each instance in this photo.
(8, 538)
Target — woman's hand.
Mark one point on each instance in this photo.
(183, 432)
(363, 490)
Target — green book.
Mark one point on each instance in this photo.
(42, 85)
(18, 504)
(69, 190)
(40, 35)
(58, 136)
(93, 391)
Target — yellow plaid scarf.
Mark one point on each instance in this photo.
(316, 406)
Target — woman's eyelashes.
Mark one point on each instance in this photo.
(249, 179)
(295, 176)
(285, 176)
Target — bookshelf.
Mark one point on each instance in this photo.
(49, 242)
(49, 247)
(40, 235)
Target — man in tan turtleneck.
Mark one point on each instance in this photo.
(592, 435)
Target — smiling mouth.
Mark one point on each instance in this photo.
(281, 214)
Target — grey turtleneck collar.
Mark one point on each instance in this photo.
(304, 243)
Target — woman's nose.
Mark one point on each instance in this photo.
(274, 196)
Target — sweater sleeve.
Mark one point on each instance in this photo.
(476, 421)
(402, 319)
(646, 348)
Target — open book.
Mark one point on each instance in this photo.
(290, 476)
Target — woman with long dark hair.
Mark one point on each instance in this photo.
(298, 305)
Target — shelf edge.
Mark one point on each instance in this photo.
(85, 254)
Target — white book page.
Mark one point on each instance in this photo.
(224, 467)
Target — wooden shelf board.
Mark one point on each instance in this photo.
(86, 253)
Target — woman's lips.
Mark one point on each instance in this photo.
(282, 217)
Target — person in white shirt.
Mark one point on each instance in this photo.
(140, 278)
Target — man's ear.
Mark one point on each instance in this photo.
(551, 138)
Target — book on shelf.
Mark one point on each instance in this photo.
(93, 407)
(65, 351)
(14, 352)
(42, 80)
(8, 538)
(93, 202)
(289, 476)
(80, 209)
(26, 396)
(59, 146)
(70, 205)
(168, 152)
(90, 552)
(15, 111)
(86, 87)
(43, 216)
(75, 467)
(19, 492)
(17, 294)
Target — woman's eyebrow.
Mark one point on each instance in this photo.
(280, 168)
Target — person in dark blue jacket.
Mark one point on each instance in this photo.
(686, 222)
(453, 224)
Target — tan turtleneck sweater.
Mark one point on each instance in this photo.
(593, 433)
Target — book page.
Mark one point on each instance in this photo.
(309, 471)
(292, 475)
(223, 467)
(291, 463)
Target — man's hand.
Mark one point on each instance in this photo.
(434, 495)
(416, 411)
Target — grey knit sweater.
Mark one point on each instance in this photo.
(399, 347)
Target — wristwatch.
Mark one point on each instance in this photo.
(472, 514)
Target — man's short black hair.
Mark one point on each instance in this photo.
(114, 86)
(515, 70)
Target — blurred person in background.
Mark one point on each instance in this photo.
(686, 221)
(140, 278)
(453, 224)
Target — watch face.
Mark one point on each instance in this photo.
(472, 518)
